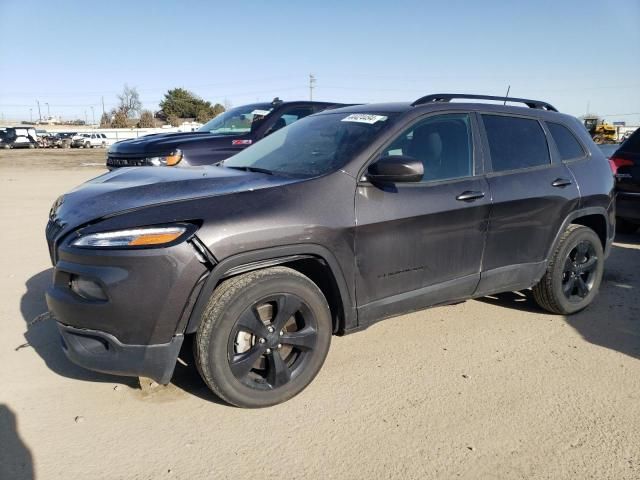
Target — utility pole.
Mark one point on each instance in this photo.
(48, 111)
(312, 83)
(102, 105)
(93, 115)
(85, 117)
(31, 115)
(39, 113)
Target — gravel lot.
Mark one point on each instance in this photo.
(487, 389)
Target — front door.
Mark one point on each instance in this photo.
(418, 244)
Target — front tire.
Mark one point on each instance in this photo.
(574, 272)
(263, 337)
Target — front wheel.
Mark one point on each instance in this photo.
(573, 274)
(263, 337)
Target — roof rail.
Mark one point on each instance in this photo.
(446, 97)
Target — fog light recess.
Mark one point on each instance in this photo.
(87, 289)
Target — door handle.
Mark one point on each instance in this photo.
(470, 196)
(561, 182)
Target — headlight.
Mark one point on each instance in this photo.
(167, 160)
(135, 237)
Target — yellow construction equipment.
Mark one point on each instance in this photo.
(600, 131)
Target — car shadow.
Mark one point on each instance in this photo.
(16, 462)
(42, 335)
(613, 319)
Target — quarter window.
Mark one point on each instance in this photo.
(568, 146)
(515, 142)
(442, 144)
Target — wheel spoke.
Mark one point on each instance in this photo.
(250, 322)
(583, 290)
(568, 287)
(286, 307)
(589, 264)
(304, 339)
(242, 363)
(278, 373)
(581, 252)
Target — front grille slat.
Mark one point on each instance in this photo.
(119, 160)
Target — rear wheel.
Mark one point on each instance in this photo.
(625, 226)
(87, 145)
(573, 274)
(263, 337)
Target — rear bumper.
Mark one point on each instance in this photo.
(102, 352)
(628, 205)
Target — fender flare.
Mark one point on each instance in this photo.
(269, 257)
(583, 212)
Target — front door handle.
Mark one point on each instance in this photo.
(470, 196)
(561, 182)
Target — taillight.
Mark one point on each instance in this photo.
(616, 162)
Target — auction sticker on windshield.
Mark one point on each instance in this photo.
(364, 118)
(262, 113)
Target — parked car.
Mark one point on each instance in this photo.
(220, 138)
(89, 140)
(625, 163)
(325, 227)
(18, 137)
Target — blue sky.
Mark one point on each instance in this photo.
(71, 53)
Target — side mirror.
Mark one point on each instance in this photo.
(395, 169)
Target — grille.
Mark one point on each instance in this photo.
(115, 160)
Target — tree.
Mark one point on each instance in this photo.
(130, 103)
(105, 120)
(119, 119)
(146, 119)
(184, 104)
(174, 120)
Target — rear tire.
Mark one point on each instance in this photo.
(574, 272)
(625, 226)
(263, 337)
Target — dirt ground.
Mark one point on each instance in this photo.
(488, 389)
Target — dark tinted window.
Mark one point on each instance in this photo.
(632, 144)
(568, 146)
(442, 144)
(515, 142)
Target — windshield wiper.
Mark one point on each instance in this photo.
(252, 169)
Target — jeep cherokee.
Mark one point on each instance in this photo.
(326, 226)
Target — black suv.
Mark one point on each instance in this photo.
(220, 138)
(625, 163)
(340, 220)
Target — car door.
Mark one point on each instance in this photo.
(532, 194)
(418, 244)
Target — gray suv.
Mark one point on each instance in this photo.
(335, 222)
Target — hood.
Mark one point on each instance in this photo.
(162, 143)
(133, 188)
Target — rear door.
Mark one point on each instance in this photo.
(532, 194)
(418, 244)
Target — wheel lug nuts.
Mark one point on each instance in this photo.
(262, 340)
(270, 329)
(279, 346)
(268, 350)
(281, 332)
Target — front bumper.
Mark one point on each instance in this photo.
(103, 352)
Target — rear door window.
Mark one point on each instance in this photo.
(515, 142)
(566, 142)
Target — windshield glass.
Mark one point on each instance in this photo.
(237, 120)
(314, 145)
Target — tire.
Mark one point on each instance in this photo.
(574, 272)
(625, 226)
(31, 145)
(276, 356)
(87, 145)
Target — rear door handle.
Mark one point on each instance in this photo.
(470, 196)
(561, 182)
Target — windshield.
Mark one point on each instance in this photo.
(314, 145)
(237, 120)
